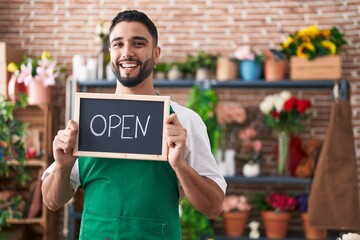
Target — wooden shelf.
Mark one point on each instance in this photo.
(30, 163)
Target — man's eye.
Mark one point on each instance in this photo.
(116, 45)
(139, 44)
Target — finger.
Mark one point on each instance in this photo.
(173, 119)
(59, 145)
(72, 125)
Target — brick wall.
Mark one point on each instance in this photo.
(66, 27)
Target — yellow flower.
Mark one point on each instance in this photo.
(330, 46)
(287, 42)
(45, 54)
(311, 32)
(12, 67)
(301, 50)
(325, 33)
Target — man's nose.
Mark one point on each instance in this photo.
(127, 52)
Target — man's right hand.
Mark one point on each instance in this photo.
(63, 145)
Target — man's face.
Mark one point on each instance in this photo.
(132, 51)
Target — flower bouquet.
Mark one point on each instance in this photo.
(284, 114)
(37, 74)
(235, 214)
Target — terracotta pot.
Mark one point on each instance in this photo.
(235, 223)
(38, 93)
(226, 69)
(275, 224)
(311, 232)
(275, 70)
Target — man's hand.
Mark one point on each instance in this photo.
(63, 145)
(176, 140)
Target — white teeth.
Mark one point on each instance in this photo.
(128, 65)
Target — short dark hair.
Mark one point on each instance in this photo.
(136, 16)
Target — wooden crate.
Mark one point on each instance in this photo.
(322, 68)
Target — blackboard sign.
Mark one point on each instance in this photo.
(121, 126)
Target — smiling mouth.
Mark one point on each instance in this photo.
(127, 64)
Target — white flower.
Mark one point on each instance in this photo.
(285, 95)
(350, 236)
(267, 105)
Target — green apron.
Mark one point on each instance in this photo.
(129, 199)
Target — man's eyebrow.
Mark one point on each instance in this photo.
(133, 38)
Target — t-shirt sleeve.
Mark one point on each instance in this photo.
(74, 176)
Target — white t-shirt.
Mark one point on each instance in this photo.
(197, 153)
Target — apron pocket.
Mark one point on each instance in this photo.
(105, 227)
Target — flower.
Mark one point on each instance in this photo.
(246, 53)
(311, 43)
(250, 146)
(302, 203)
(236, 203)
(43, 68)
(278, 202)
(102, 31)
(349, 236)
(284, 113)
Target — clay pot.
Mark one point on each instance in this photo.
(275, 224)
(226, 69)
(235, 223)
(38, 93)
(275, 70)
(311, 232)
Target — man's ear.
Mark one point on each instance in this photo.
(157, 51)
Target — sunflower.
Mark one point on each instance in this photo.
(330, 46)
(310, 32)
(305, 50)
(287, 42)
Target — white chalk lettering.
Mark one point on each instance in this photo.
(92, 129)
(125, 127)
(110, 121)
(141, 128)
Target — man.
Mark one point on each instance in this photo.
(134, 199)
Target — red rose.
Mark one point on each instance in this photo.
(274, 114)
(303, 105)
(290, 104)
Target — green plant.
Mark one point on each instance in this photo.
(201, 60)
(194, 225)
(203, 100)
(12, 133)
(10, 208)
(312, 42)
(162, 67)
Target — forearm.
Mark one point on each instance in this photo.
(203, 193)
(56, 188)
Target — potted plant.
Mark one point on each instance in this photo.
(161, 70)
(314, 53)
(310, 232)
(10, 207)
(235, 215)
(38, 75)
(275, 210)
(203, 65)
(250, 151)
(275, 65)
(12, 133)
(251, 63)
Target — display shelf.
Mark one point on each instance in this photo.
(183, 83)
(30, 163)
(269, 179)
(261, 238)
(25, 220)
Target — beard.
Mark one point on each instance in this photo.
(146, 69)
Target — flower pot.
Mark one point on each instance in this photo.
(15, 88)
(251, 169)
(274, 70)
(250, 70)
(38, 93)
(235, 223)
(275, 224)
(226, 69)
(312, 233)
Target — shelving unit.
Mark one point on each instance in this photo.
(42, 118)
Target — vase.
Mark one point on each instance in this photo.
(251, 169)
(250, 70)
(235, 223)
(312, 233)
(283, 152)
(103, 60)
(38, 93)
(275, 224)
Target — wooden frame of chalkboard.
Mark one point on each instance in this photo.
(121, 126)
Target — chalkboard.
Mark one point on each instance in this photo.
(121, 126)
